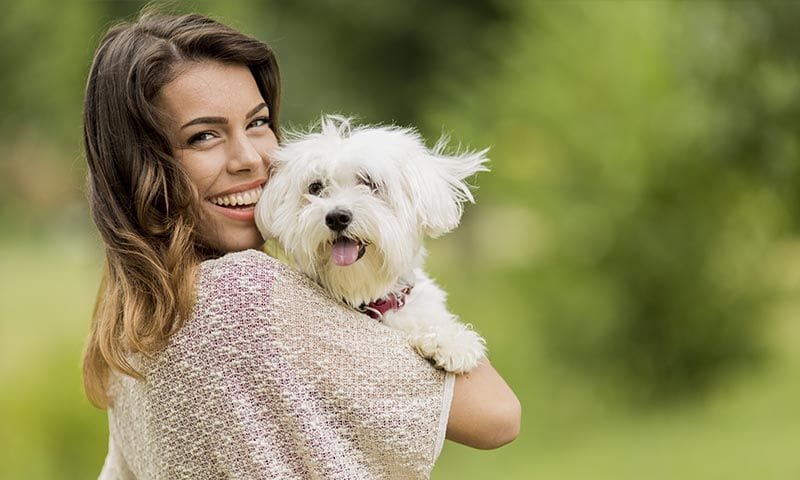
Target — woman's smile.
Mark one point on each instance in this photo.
(239, 202)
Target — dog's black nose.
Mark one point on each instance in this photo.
(338, 219)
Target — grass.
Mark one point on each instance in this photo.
(749, 430)
(749, 427)
(47, 288)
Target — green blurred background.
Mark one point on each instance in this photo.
(633, 259)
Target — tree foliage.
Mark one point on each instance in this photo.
(654, 150)
(645, 154)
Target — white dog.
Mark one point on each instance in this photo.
(352, 206)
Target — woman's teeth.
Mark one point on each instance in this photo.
(250, 197)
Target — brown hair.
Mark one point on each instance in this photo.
(142, 202)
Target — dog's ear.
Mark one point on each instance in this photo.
(437, 186)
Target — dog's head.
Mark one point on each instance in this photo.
(352, 205)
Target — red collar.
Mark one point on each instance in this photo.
(392, 301)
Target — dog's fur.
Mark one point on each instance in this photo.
(394, 192)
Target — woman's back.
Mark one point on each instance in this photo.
(270, 378)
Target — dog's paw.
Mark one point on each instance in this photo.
(456, 350)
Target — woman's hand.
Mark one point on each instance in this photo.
(484, 413)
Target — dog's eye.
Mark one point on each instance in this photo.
(314, 188)
(366, 180)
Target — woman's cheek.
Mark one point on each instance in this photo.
(202, 168)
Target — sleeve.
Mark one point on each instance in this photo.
(272, 379)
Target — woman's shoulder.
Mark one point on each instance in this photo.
(245, 262)
(251, 284)
(245, 271)
(239, 302)
(247, 302)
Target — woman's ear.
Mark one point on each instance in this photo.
(436, 184)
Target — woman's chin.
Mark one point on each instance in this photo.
(232, 235)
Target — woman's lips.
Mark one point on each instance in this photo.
(245, 214)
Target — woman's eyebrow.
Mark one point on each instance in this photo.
(255, 110)
(222, 120)
(200, 120)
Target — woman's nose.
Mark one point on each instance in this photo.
(243, 155)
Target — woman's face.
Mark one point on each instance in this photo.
(221, 134)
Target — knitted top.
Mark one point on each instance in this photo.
(272, 378)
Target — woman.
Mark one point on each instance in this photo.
(214, 360)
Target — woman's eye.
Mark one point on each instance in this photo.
(314, 188)
(258, 122)
(201, 137)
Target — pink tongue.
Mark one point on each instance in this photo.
(345, 252)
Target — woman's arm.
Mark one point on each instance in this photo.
(484, 413)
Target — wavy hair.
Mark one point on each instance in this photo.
(142, 202)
